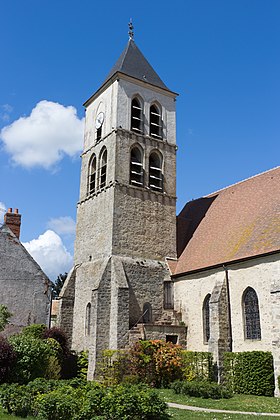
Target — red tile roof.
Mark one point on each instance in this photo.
(240, 221)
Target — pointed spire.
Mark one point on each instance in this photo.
(131, 32)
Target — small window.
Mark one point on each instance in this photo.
(147, 313)
(206, 318)
(136, 167)
(103, 168)
(168, 302)
(87, 320)
(136, 116)
(251, 314)
(155, 122)
(155, 172)
(99, 133)
(92, 175)
(171, 339)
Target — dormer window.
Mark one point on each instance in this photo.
(136, 116)
(92, 175)
(103, 168)
(155, 172)
(136, 167)
(155, 122)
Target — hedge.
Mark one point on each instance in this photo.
(250, 372)
(78, 400)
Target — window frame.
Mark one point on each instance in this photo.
(251, 316)
(137, 115)
(206, 319)
(88, 319)
(155, 121)
(136, 168)
(156, 173)
(92, 160)
(102, 168)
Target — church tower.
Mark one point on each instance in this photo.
(126, 217)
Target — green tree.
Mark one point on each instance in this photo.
(58, 284)
(4, 317)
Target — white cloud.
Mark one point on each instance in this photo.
(45, 136)
(64, 225)
(2, 212)
(50, 253)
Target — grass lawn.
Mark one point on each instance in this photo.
(185, 415)
(238, 403)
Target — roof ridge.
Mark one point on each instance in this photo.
(240, 182)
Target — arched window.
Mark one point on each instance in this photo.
(155, 122)
(147, 313)
(155, 172)
(251, 315)
(206, 318)
(87, 320)
(92, 175)
(136, 167)
(102, 168)
(136, 116)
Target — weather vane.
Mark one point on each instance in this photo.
(130, 32)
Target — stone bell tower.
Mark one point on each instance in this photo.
(126, 218)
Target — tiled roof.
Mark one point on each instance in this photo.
(133, 63)
(238, 222)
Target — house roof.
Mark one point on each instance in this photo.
(238, 222)
(133, 63)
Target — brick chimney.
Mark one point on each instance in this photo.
(13, 221)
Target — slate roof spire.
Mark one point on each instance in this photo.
(133, 63)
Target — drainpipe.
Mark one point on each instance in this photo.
(229, 309)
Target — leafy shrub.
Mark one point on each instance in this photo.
(59, 335)
(34, 330)
(197, 366)
(133, 403)
(202, 389)
(32, 358)
(114, 367)
(7, 359)
(250, 372)
(156, 362)
(15, 399)
(5, 315)
(62, 403)
(82, 364)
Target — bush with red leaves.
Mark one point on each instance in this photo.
(7, 359)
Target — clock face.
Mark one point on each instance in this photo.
(99, 120)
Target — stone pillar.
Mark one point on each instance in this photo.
(219, 325)
(66, 306)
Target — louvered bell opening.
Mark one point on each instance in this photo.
(155, 123)
(155, 173)
(136, 116)
(136, 168)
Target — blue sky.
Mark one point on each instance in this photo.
(221, 56)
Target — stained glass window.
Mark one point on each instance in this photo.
(251, 315)
(206, 318)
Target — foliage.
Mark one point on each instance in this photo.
(5, 315)
(78, 400)
(15, 399)
(32, 358)
(197, 365)
(202, 389)
(156, 362)
(59, 335)
(113, 367)
(82, 364)
(133, 403)
(69, 367)
(7, 359)
(34, 330)
(58, 284)
(250, 372)
(60, 404)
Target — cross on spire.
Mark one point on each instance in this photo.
(131, 32)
